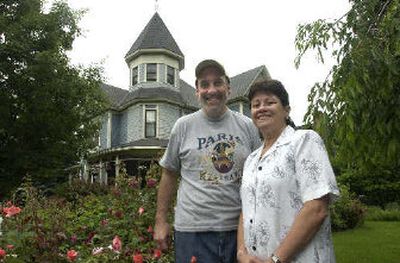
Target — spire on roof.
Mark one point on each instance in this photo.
(156, 6)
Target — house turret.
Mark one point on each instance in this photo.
(154, 58)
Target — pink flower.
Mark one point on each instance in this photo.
(151, 182)
(73, 239)
(10, 247)
(133, 183)
(118, 214)
(150, 230)
(104, 222)
(11, 211)
(116, 243)
(141, 210)
(90, 237)
(71, 255)
(157, 253)
(137, 258)
(2, 253)
(193, 259)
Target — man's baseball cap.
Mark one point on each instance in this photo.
(210, 63)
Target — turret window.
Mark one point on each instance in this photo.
(134, 76)
(171, 75)
(150, 121)
(151, 72)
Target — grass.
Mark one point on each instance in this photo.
(373, 242)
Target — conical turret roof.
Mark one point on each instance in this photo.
(154, 36)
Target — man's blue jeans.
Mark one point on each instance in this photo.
(207, 247)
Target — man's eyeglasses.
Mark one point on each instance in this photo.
(204, 84)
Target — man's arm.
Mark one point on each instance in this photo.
(165, 192)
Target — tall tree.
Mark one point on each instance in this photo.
(357, 107)
(48, 108)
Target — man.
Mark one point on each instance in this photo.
(207, 148)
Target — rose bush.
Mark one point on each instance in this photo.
(111, 225)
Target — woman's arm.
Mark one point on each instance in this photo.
(306, 224)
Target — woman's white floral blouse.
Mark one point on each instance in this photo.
(296, 169)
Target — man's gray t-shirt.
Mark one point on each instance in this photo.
(209, 155)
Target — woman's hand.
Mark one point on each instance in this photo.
(244, 257)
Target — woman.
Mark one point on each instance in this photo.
(287, 186)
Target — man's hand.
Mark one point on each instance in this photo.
(161, 235)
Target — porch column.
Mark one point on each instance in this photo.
(102, 173)
(117, 166)
(85, 171)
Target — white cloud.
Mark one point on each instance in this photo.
(240, 34)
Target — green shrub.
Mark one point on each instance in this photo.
(390, 213)
(347, 212)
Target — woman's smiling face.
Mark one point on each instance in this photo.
(267, 112)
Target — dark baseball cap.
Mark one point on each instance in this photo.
(210, 63)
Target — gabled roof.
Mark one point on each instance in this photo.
(114, 94)
(189, 94)
(241, 83)
(155, 36)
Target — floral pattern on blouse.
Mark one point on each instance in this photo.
(296, 169)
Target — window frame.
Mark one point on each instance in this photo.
(150, 108)
(170, 76)
(151, 74)
(136, 76)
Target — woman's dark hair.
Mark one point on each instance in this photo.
(274, 87)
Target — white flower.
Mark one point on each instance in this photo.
(97, 250)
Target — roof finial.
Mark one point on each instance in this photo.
(156, 6)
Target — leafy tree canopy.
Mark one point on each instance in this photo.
(357, 108)
(48, 107)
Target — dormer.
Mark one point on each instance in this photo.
(155, 57)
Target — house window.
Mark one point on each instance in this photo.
(150, 121)
(134, 76)
(170, 75)
(151, 72)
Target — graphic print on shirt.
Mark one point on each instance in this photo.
(218, 158)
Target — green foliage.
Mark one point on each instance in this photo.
(377, 187)
(390, 213)
(47, 107)
(347, 212)
(48, 227)
(357, 108)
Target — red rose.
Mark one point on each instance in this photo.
(71, 255)
(151, 182)
(157, 253)
(3, 253)
(137, 258)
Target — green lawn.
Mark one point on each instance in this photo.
(374, 242)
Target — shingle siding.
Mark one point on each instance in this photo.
(134, 127)
(162, 68)
(142, 72)
(115, 131)
(168, 114)
(103, 132)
